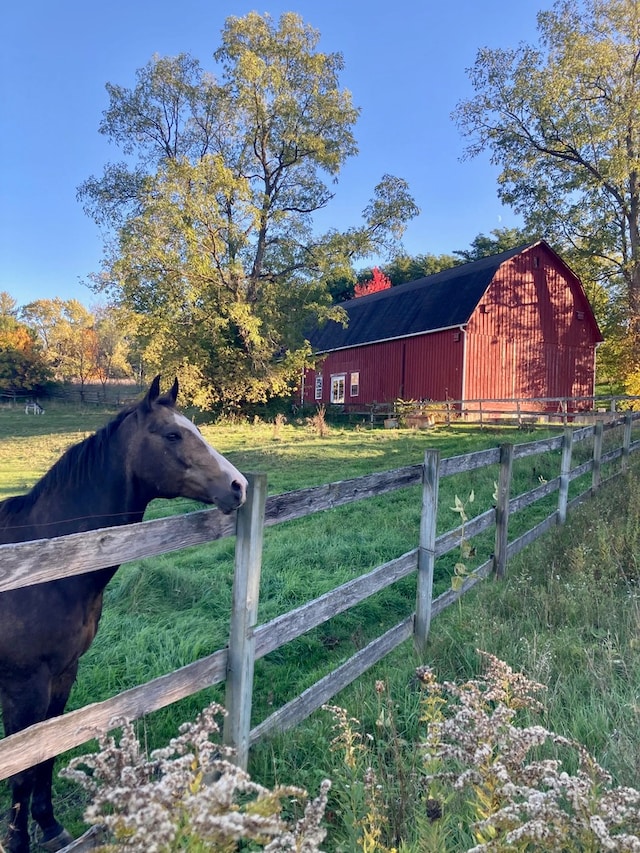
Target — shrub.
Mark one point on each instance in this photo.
(190, 796)
(487, 781)
(510, 779)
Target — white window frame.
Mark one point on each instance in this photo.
(338, 387)
(354, 383)
(318, 387)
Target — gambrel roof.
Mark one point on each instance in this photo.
(444, 300)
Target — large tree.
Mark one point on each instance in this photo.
(562, 121)
(215, 247)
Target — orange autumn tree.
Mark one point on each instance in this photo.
(379, 281)
(22, 363)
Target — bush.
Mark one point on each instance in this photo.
(190, 796)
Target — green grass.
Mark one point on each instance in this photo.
(567, 615)
(165, 612)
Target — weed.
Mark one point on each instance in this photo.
(318, 422)
(378, 781)
(278, 422)
(517, 801)
(190, 796)
(489, 781)
(467, 550)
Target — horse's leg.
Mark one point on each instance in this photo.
(23, 703)
(54, 835)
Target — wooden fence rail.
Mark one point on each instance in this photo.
(561, 410)
(34, 562)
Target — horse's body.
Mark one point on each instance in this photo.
(148, 451)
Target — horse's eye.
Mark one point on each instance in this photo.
(173, 436)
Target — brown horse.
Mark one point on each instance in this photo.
(147, 451)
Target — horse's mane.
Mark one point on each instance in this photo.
(87, 454)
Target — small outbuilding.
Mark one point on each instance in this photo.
(513, 326)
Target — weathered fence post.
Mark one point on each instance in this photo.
(244, 614)
(596, 474)
(565, 470)
(502, 511)
(427, 547)
(626, 441)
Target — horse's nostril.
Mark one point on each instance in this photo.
(237, 487)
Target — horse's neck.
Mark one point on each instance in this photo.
(111, 504)
(96, 494)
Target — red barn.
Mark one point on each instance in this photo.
(516, 325)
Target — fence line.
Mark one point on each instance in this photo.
(22, 564)
(483, 410)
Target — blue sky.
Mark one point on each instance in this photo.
(405, 64)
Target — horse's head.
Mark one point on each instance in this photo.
(172, 459)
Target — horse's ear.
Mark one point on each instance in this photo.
(172, 395)
(169, 397)
(153, 393)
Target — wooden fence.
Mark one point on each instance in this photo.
(43, 560)
(529, 410)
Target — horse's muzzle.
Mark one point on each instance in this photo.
(236, 496)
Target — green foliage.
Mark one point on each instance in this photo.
(405, 268)
(559, 119)
(213, 241)
(467, 550)
(502, 240)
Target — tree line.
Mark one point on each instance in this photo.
(55, 340)
(52, 341)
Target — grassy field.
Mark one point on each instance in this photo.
(560, 615)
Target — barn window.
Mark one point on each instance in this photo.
(337, 388)
(580, 315)
(536, 262)
(355, 384)
(456, 336)
(319, 387)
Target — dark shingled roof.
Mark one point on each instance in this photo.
(438, 301)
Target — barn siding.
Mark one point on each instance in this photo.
(420, 367)
(434, 366)
(526, 338)
(379, 366)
